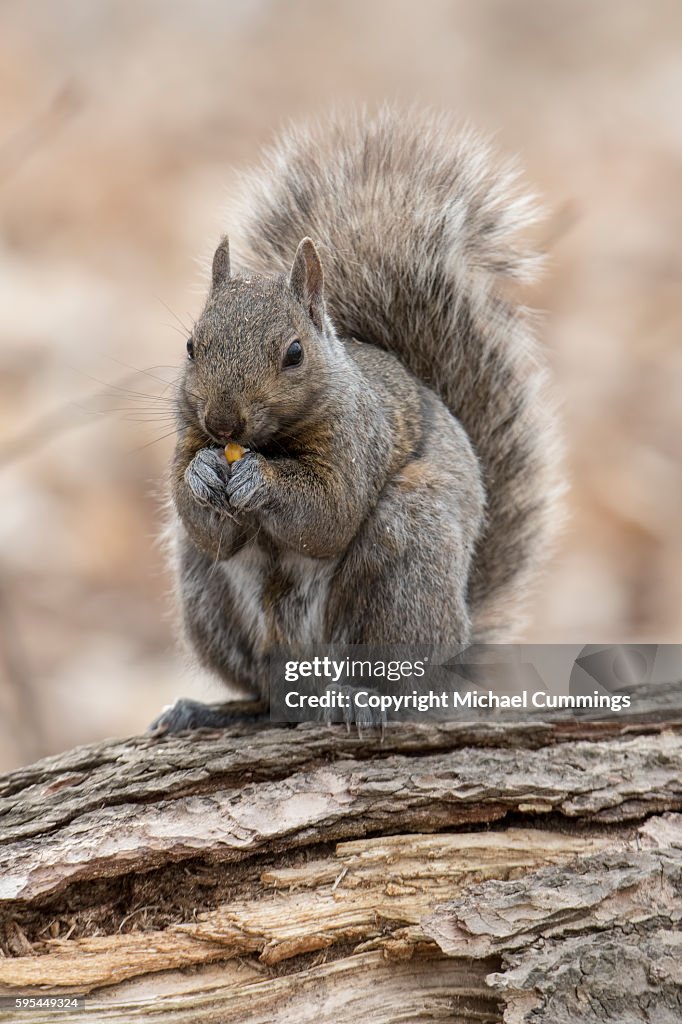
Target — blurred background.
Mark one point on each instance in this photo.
(121, 128)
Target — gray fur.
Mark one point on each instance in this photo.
(371, 507)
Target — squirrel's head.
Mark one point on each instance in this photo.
(261, 356)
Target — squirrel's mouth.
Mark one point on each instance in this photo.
(248, 433)
(220, 438)
(245, 441)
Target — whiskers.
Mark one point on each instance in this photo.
(145, 396)
(135, 398)
(124, 398)
(180, 326)
(132, 402)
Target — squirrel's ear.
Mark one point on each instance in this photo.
(306, 281)
(220, 273)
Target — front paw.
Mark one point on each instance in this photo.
(247, 486)
(207, 477)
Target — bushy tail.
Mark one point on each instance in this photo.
(417, 230)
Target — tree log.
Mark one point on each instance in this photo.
(628, 904)
(447, 872)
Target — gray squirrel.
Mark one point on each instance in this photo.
(401, 476)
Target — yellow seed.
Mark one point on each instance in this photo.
(234, 452)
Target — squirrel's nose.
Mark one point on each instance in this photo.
(224, 426)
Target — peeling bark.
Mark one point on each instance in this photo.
(368, 892)
(596, 940)
(296, 871)
(612, 781)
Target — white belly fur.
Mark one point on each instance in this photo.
(300, 612)
(304, 608)
(245, 575)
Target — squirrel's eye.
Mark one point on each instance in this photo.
(190, 348)
(293, 355)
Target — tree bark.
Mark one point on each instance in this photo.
(447, 872)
